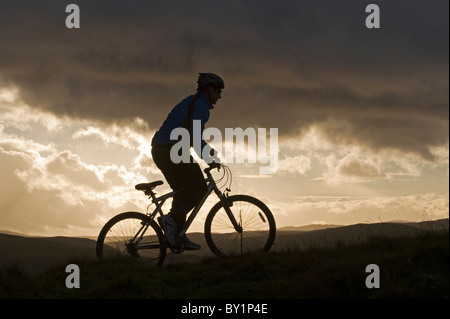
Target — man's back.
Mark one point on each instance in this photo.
(178, 115)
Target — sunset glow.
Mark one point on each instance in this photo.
(362, 115)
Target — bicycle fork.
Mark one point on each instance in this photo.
(227, 204)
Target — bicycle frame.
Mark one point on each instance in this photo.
(211, 187)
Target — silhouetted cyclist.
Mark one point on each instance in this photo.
(187, 178)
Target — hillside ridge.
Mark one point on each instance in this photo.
(38, 253)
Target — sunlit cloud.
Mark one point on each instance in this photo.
(344, 210)
(123, 135)
(295, 165)
(339, 163)
(55, 170)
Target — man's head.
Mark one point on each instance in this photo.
(211, 85)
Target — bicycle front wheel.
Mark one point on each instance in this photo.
(256, 227)
(132, 234)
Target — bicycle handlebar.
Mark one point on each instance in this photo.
(212, 166)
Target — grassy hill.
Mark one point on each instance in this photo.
(358, 233)
(36, 254)
(413, 262)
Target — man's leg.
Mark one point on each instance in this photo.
(187, 178)
(190, 178)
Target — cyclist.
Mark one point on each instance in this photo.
(185, 178)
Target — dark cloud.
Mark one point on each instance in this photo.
(287, 64)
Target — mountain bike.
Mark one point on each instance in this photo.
(236, 225)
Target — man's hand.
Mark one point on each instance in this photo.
(213, 165)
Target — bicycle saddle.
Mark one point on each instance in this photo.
(148, 187)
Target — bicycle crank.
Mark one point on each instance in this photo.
(179, 248)
(132, 250)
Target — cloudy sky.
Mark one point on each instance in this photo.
(362, 114)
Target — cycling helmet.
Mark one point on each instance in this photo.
(206, 79)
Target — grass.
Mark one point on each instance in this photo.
(410, 267)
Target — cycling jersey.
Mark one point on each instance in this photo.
(177, 116)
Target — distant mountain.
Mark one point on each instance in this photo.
(7, 232)
(308, 227)
(354, 233)
(36, 254)
(312, 227)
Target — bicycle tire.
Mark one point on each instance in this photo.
(255, 218)
(115, 238)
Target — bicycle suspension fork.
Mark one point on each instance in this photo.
(226, 205)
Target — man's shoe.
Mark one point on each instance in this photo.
(170, 229)
(190, 245)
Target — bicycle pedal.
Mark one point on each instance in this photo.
(179, 247)
(177, 251)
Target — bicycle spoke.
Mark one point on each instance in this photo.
(131, 234)
(255, 220)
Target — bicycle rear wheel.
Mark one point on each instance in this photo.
(134, 235)
(252, 215)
